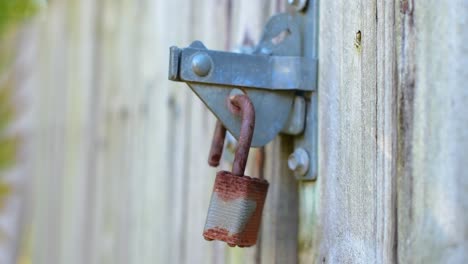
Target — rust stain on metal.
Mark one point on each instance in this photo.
(217, 145)
(229, 187)
(238, 194)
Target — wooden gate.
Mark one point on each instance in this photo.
(117, 153)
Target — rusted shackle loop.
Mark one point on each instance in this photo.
(241, 105)
(217, 144)
(238, 105)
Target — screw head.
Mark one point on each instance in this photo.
(298, 161)
(201, 64)
(298, 4)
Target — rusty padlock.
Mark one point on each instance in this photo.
(236, 206)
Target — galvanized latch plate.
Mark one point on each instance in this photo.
(276, 77)
(271, 76)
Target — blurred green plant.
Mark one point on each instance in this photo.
(8, 143)
(13, 11)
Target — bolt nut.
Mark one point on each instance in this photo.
(201, 64)
(298, 161)
(298, 5)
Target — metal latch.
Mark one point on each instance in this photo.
(275, 76)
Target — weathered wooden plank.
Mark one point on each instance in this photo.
(115, 117)
(356, 122)
(279, 235)
(49, 136)
(178, 127)
(206, 24)
(433, 129)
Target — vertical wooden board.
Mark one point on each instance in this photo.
(128, 110)
(210, 28)
(406, 82)
(113, 107)
(279, 235)
(355, 154)
(79, 25)
(433, 183)
(152, 241)
(47, 158)
(178, 128)
(386, 131)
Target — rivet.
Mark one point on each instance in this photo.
(201, 64)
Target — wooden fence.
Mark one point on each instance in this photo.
(116, 154)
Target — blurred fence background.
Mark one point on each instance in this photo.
(103, 160)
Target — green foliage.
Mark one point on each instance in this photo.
(5, 190)
(13, 11)
(8, 144)
(6, 107)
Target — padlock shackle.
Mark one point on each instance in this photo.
(217, 144)
(241, 105)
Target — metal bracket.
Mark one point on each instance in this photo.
(306, 144)
(276, 77)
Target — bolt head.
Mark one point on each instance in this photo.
(292, 162)
(201, 64)
(298, 161)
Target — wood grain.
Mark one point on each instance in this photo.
(432, 181)
(356, 133)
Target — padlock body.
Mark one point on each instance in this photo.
(235, 210)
